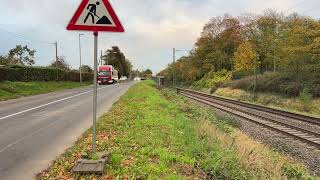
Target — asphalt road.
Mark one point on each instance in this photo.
(35, 130)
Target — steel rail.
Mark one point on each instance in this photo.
(299, 117)
(263, 117)
(304, 135)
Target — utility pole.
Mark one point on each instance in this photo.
(56, 45)
(100, 63)
(80, 68)
(275, 45)
(174, 67)
(256, 81)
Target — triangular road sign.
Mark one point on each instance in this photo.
(95, 15)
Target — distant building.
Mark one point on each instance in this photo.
(159, 80)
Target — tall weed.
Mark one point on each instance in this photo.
(306, 99)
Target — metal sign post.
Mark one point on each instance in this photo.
(95, 92)
(80, 69)
(95, 16)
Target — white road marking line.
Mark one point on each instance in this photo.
(54, 102)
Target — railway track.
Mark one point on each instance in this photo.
(274, 119)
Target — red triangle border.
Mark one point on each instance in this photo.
(117, 28)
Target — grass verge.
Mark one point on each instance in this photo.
(155, 134)
(299, 105)
(12, 90)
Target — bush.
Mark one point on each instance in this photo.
(26, 74)
(277, 83)
(306, 99)
(265, 81)
(213, 80)
(7, 74)
(241, 74)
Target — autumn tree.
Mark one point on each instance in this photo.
(300, 59)
(268, 30)
(20, 55)
(86, 69)
(147, 74)
(116, 58)
(245, 57)
(215, 48)
(60, 63)
(4, 60)
(246, 60)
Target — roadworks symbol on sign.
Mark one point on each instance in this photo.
(95, 15)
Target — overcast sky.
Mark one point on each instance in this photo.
(152, 27)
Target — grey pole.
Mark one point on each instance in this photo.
(100, 63)
(94, 137)
(255, 82)
(174, 67)
(80, 70)
(56, 44)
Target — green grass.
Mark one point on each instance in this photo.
(12, 90)
(153, 134)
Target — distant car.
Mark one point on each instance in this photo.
(137, 79)
(123, 78)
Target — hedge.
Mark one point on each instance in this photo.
(278, 83)
(26, 74)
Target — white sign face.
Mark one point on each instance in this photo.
(95, 14)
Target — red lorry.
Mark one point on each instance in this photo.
(107, 74)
